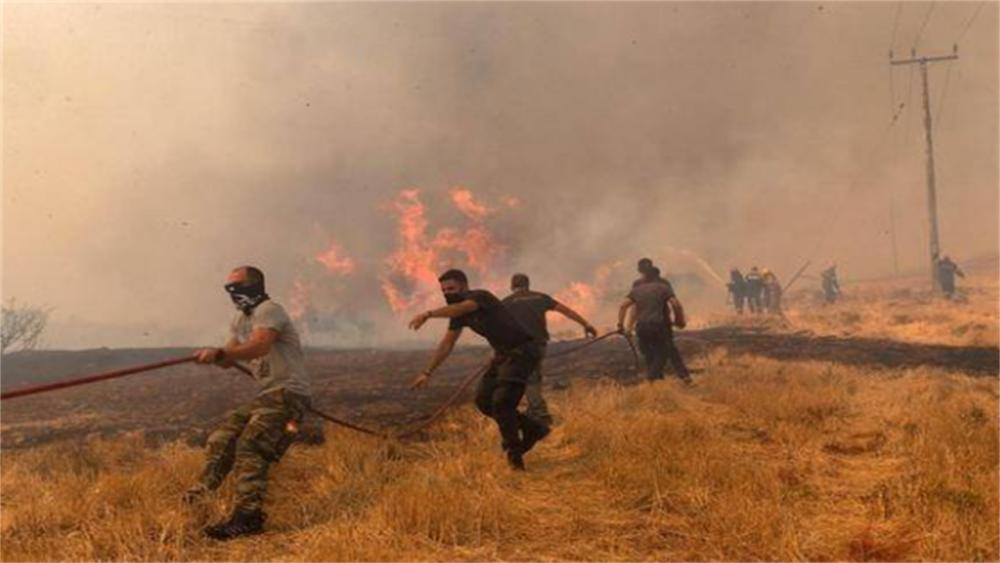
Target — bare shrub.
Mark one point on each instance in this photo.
(22, 326)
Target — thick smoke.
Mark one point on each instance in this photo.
(149, 148)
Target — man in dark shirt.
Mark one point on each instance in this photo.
(653, 302)
(738, 289)
(515, 357)
(529, 308)
(755, 290)
(831, 287)
(946, 272)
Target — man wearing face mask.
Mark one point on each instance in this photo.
(516, 356)
(256, 434)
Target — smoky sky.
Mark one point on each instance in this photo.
(148, 148)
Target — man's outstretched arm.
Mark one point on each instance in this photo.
(446, 312)
(441, 353)
(588, 328)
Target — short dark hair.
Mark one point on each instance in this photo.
(645, 264)
(254, 275)
(454, 274)
(520, 281)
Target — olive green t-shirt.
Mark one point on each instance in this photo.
(284, 366)
(651, 304)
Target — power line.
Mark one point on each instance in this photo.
(969, 23)
(947, 76)
(944, 94)
(895, 24)
(892, 45)
(927, 18)
(873, 155)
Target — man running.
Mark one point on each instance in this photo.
(515, 357)
(255, 435)
(529, 308)
(653, 302)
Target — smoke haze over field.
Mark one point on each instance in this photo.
(149, 148)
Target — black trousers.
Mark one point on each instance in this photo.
(500, 390)
(657, 346)
(738, 299)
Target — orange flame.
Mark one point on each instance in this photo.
(411, 279)
(463, 200)
(334, 262)
(584, 298)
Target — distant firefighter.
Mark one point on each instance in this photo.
(946, 272)
(831, 288)
(737, 289)
(772, 292)
(755, 290)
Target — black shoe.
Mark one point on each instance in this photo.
(532, 434)
(240, 524)
(515, 460)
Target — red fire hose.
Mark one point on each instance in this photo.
(456, 395)
(31, 390)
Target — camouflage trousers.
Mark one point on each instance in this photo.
(252, 437)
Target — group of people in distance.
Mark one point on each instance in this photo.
(759, 290)
(257, 434)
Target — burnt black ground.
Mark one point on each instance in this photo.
(370, 387)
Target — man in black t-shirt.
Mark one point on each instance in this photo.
(529, 308)
(515, 357)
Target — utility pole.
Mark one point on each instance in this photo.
(892, 235)
(931, 192)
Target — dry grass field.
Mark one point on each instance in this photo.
(906, 310)
(762, 459)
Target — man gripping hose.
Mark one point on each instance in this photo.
(256, 434)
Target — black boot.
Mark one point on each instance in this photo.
(241, 523)
(515, 460)
(532, 431)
